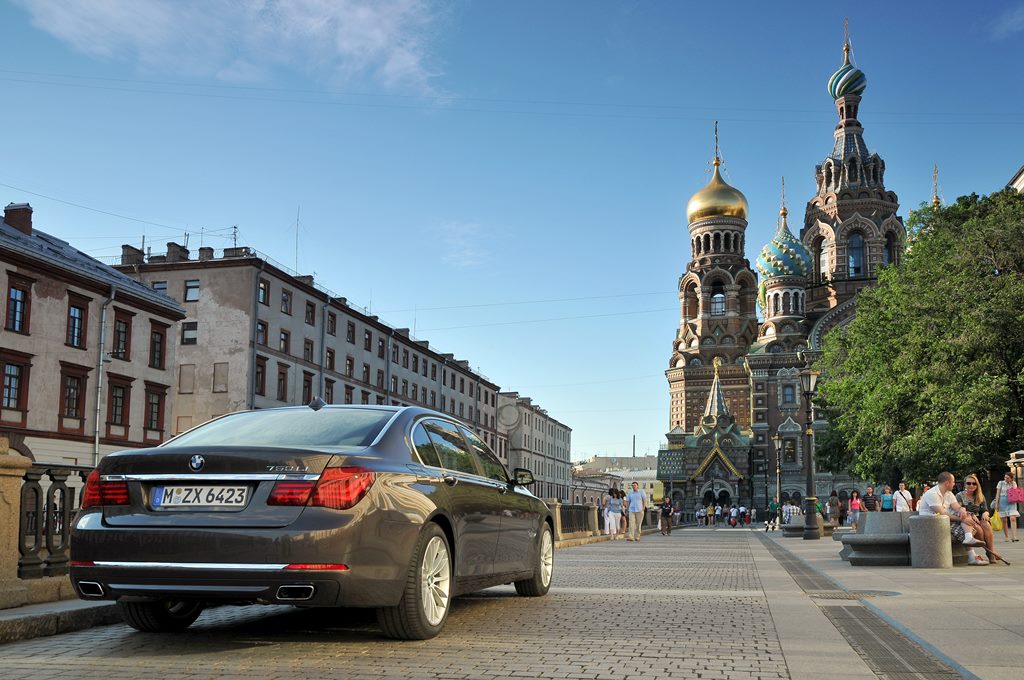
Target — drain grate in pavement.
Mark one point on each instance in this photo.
(848, 595)
(888, 653)
(885, 650)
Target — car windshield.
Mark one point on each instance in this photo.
(293, 428)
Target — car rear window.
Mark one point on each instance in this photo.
(293, 428)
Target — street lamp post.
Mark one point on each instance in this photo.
(777, 440)
(812, 531)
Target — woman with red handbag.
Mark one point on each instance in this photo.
(1008, 512)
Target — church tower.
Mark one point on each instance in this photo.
(851, 228)
(717, 297)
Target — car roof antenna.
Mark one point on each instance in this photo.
(317, 403)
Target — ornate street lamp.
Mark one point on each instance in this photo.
(777, 440)
(809, 383)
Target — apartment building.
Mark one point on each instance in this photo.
(538, 442)
(85, 352)
(257, 335)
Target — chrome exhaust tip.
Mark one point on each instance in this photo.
(90, 588)
(295, 593)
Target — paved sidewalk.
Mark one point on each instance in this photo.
(972, 615)
(701, 603)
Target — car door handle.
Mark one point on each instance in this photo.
(502, 488)
(450, 480)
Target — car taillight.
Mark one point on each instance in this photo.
(290, 493)
(337, 488)
(317, 567)
(101, 492)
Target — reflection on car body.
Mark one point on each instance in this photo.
(398, 509)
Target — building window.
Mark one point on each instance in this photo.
(282, 382)
(350, 366)
(718, 304)
(72, 397)
(307, 387)
(394, 354)
(891, 253)
(788, 394)
(350, 332)
(310, 314)
(122, 348)
(462, 385)
(433, 398)
(405, 358)
(284, 341)
(15, 371)
(821, 260)
(286, 301)
(78, 316)
(190, 332)
(191, 290)
(332, 323)
(261, 333)
(307, 350)
(263, 294)
(12, 386)
(154, 417)
(789, 451)
(261, 376)
(364, 397)
(348, 394)
(367, 340)
(394, 384)
(19, 304)
(157, 345)
(433, 371)
(380, 379)
(366, 373)
(329, 391)
(415, 363)
(380, 348)
(330, 360)
(855, 246)
(160, 287)
(117, 408)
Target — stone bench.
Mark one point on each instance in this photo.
(882, 539)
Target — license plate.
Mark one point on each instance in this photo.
(199, 496)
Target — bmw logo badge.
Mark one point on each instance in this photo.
(196, 463)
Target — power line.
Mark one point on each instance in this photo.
(526, 302)
(557, 318)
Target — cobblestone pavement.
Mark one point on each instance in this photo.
(689, 605)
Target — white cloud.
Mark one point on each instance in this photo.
(1009, 22)
(462, 245)
(242, 40)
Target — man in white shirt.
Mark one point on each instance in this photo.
(903, 499)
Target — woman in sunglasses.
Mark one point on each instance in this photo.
(973, 500)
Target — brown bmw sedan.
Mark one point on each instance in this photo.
(399, 509)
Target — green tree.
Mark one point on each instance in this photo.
(928, 376)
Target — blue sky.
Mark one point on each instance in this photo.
(508, 178)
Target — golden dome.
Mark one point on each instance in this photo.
(717, 199)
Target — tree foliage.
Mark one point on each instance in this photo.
(928, 376)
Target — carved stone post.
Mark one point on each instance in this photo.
(592, 525)
(12, 469)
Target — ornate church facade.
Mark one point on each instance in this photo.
(733, 375)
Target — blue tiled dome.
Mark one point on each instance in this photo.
(784, 255)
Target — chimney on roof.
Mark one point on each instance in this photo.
(176, 253)
(132, 255)
(19, 216)
(305, 278)
(205, 253)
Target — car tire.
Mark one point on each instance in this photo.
(426, 600)
(163, 616)
(540, 583)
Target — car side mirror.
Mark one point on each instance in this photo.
(523, 477)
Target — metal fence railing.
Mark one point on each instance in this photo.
(573, 518)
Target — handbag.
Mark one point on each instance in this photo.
(1015, 494)
(997, 524)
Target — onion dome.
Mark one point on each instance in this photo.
(848, 79)
(717, 199)
(784, 255)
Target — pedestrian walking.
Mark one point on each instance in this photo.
(1008, 512)
(870, 502)
(833, 507)
(903, 500)
(613, 514)
(887, 498)
(718, 514)
(773, 515)
(636, 501)
(666, 516)
(855, 507)
(734, 517)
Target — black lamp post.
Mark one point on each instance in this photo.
(777, 440)
(809, 382)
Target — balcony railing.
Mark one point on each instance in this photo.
(50, 495)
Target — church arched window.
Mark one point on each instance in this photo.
(717, 300)
(821, 260)
(788, 394)
(855, 250)
(890, 255)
